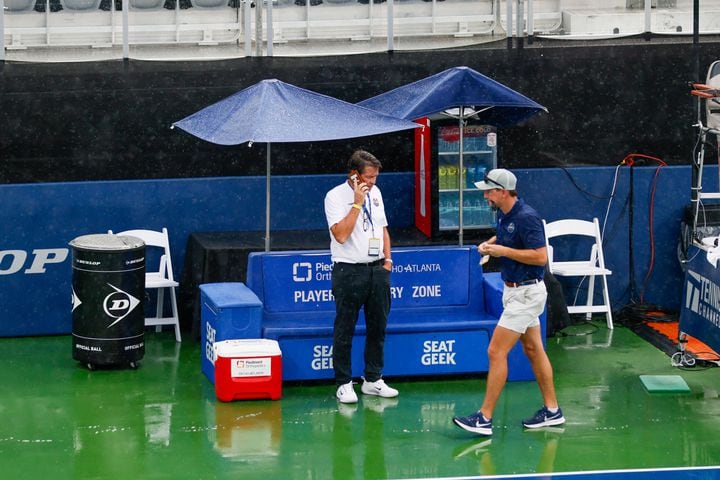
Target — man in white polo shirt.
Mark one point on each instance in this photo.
(360, 249)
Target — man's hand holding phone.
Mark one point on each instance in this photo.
(361, 189)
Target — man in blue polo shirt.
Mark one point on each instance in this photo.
(519, 243)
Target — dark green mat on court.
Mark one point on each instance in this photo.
(664, 383)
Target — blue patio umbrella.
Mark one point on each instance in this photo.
(273, 111)
(461, 93)
(459, 87)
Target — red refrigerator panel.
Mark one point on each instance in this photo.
(423, 197)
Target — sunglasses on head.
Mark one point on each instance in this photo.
(490, 180)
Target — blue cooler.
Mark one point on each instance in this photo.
(228, 311)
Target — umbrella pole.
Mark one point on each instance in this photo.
(463, 180)
(267, 199)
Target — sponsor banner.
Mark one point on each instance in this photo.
(434, 353)
(423, 277)
(700, 308)
(40, 219)
(36, 294)
(311, 358)
(427, 353)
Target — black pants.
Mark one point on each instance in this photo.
(355, 287)
(557, 312)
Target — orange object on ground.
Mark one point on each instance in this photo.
(671, 330)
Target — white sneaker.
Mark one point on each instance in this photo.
(379, 388)
(346, 393)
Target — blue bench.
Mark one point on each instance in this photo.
(443, 313)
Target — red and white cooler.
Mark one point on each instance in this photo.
(248, 369)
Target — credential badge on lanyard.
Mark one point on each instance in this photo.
(373, 241)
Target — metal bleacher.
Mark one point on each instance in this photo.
(36, 28)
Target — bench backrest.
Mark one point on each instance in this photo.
(300, 281)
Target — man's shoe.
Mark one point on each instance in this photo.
(378, 388)
(346, 393)
(543, 418)
(475, 423)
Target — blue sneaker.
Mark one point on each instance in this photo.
(475, 423)
(543, 418)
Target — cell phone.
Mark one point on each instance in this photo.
(354, 177)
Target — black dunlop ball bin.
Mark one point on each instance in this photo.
(108, 292)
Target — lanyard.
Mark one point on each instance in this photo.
(367, 207)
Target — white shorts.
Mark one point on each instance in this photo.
(522, 306)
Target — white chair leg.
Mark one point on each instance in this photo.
(176, 317)
(590, 296)
(606, 299)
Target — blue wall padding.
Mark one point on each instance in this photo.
(35, 298)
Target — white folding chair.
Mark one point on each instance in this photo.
(588, 266)
(159, 279)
